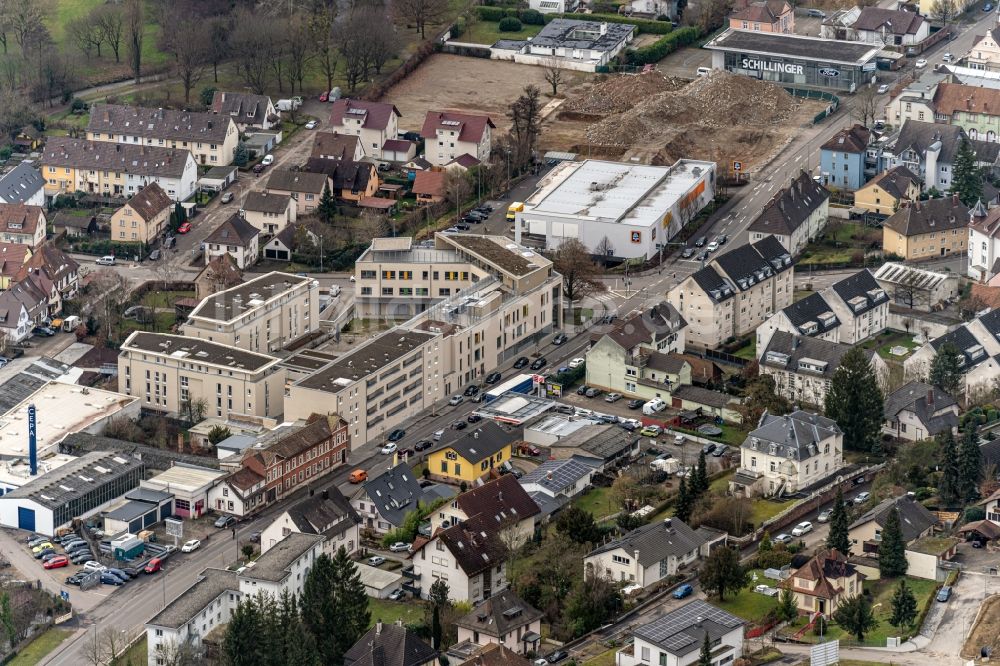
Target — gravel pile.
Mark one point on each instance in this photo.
(620, 92)
(720, 100)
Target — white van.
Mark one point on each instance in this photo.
(106, 261)
(653, 406)
(704, 71)
(438, 434)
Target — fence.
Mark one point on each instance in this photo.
(834, 101)
(723, 357)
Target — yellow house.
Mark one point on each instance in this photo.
(12, 257)
(143, 217)
(471, 456)
(885, 193)
(927, 229)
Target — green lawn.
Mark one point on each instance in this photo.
(598, 501)
(164, 320)
(488, 32)
(721, 483)
(819, 256)
(41, 646)
(762, 509)
(748, 604)
(134, 655)
(799, 294)
(884, 342)
(749, 350)
(731, 434)
(603, 659)
(410, 611)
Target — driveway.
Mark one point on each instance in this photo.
(949, 623)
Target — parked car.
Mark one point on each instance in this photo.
(358, 476)
(224, 521)
(184, 228)
(577, 362)
(582, 390)
(687, 253)
(93, 566)
(397, 435)
(459, 425)
(191, 546)
(257, 168)
(782, 538)
(323, 96)
(944, 594)
(81, 557)
(824, 516)
(474, 418)
(153, 565)
(802, 528)
(720, 450)
(988, 7)
(678, 440)
(521, 362)
(651, 431)
(538, 363)
(613, 397)
(630, 424)
(107, 260)
(559, 339)
(700, 242)
(375, 560)
(471, 390)
(883, 89)
(45, 545)
(389, 448)
(396, 595)
(721, 239)
(37, 541)
(920, 64)
(684, 590)
(45, 551)
(43, 330)
(493, 377)
(863, 497)
(634, 404)
(268, 160)
(712, 247)
(111, 579)
(708, 448)
(593, 392)
(455, 400)
(557, 656)
(311, 124)
(75, 579)
(399, 547)
(226, 197)
(118, 572)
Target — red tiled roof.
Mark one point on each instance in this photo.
(19, 219)
(472, 127)
(430, 183)
(376, 117)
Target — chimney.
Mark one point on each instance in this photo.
(954, 199)
(604, 27)
(548, 476)
(930, 397)
(325, 494)
(378, 628)
(668, 523)
(475, 435)
(698, 622)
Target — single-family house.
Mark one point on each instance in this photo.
(448, 134)
(928, 229)
(306, 188)
(15, 323)
(493, 654)
(428, 186)
(915, 521)
(474, 455)
(505, 620)
(503, 501)
(12, 257)
(269, 213)
(917, 411)
(676, 637)
(885, 193)
(349, 180)
(24, 184)
(764, 16)
(978, 346)
(824, 583)
(143, 217)
(248, 110)
(235, 237)
(992, 507)
(794, 215)
(788, 453)
(373, 123)
(220, 274)
(22, 224)
(928, 150)
(326, 512)
(383, 501)
(843, 158)
(334, 146)
(390, 645)
(648, 554)
(60, 273)
(891, 27)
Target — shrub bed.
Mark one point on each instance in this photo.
(663, 47)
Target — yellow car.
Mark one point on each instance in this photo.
(40, 547)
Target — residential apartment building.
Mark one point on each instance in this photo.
(885, 193)
(861, 306)
(209, 603)
(209, 137)
(803, 367)
(348, 180)
(373, 123)
(843, 160)
(391, 645)
(115, 169)
(57, 273)
(978, 345)
(503, 501)
(976, 110)
(764, 16)
(23, 225)
(235, 237)
(12, 257)
(641, 353)
(247, 110)
(448, 135)
(23, 184)
(916, 411)
(985, 51)
(269, 213)
(915, 521)
(788, 453)
(168, 372)
(648, 554)
(794, 215)
(264, 314)
(928, 150)
(15, 320)
(143, 217)
(675, 638)
(383, 501)
(735, 293)
(305, 188)
(327, 513)
(503, 619)
(915, 102)
(984, 243)
(473, 456)
(333, 146)
(928, 229)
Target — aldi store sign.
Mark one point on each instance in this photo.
(767, 66)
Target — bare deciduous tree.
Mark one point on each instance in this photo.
(580, 274)
(321, 35)
(944, 11)
(135, 32)
(419, 13)
(217, 47)
(252, 51)
(111, 22)
(525, 118)
(456, 188)
(186, 41)
(553, 74)
(87, 35)
(25, 19)
(605, 248)
(866, 105)
(301, 51)
(366, 43)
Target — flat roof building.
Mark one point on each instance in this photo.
(189, 484)
(568, 44)
(795, 60)
(634, 207)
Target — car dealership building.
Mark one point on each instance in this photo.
(795, 60)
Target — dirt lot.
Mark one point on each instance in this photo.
(474, 85)
(986, 632)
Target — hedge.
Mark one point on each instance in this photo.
(510, 24)
(531, 17)
(663, 47)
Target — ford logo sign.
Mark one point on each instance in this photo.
(827, 71)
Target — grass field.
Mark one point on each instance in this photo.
(761, 509)
(410, 611)
(749, 350)
(750, 605)
(603, 659)
(134, 655)
(598, 501)
(488, 32)
(41, 646)
(884, 343)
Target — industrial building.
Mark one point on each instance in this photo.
(189, 485)
(617, 210)
(796, 60)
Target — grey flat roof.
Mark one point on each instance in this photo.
(274, 564)
(794, 46)
(197, 351)
(212, 584)
(148, 495)
(75, 479)
(131, 510)
(573, 34)
(233, 303)
(383, 351)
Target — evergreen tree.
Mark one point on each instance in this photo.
(855, 402)
(945, 372)
(948, 488)
(578, 525)
(722, 572)
(892, 551)
(855, 616)
(318, 606)
(705, 656)
(684, 503)
(439, 593)
(352, 615)
(241, 155)
(436, 628)
(242, 644)
(970, 465)
(787, 609)
(699, 480)
(765, 545)
(967, 179)
(327, 208)
(904, 606)
(839, 524)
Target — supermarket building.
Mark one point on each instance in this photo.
(795, 60)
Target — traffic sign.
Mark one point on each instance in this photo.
(737, 166)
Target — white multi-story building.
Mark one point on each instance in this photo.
(787, 453)
(327, 513)
(470, 557)
(616, 209)
(648, 554)
(449, 135)
(794, 215)
(373, 123)
(675, 638)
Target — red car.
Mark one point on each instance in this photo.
(153, 565)
(57, 562)
(323, 97)
(184, 228)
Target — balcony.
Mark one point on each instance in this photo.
(408, 572)
(412, 589)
